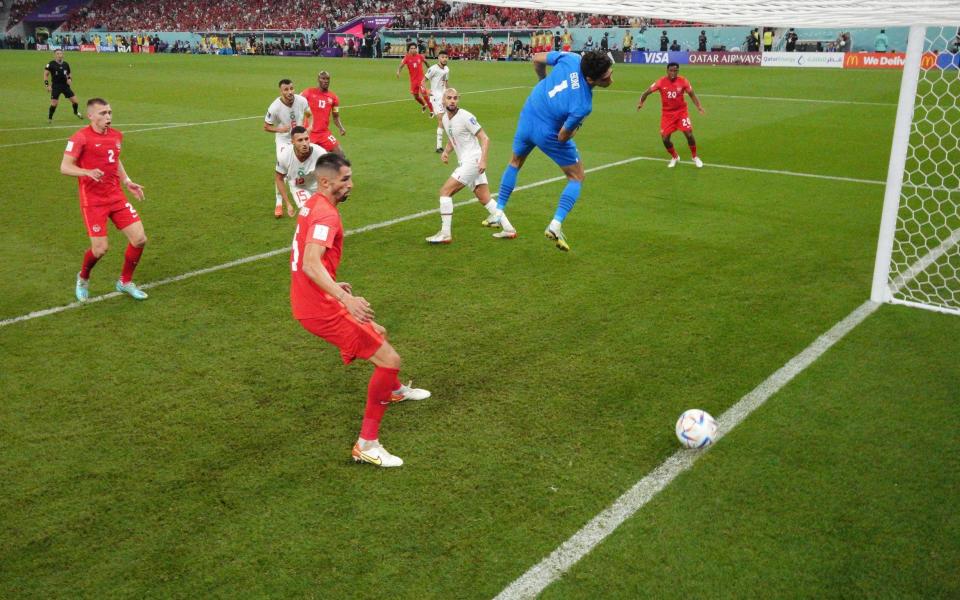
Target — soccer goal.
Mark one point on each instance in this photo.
(918, 253)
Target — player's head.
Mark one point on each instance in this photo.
(99, 113)
(300, 139)
(597, 67)
(286, 90)
(334, 177)
(451, 100)
(58, 54)
(664, 32)
(411, 49)
(442, 58)
(673, 69)
(323, 80)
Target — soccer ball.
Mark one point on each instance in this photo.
(696, 428)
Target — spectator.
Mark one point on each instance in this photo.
(881, 43)
(792, 38)
(664, 42)
(702, 41)
(588, 45)
(675, 47)
(767, 39)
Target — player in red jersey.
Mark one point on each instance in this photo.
(323, 103)
(675, 115)
(93, 156)
(414, 61)
(328, 309)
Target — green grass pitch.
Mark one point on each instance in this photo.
(197, 444)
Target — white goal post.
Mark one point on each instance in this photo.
(918, 249)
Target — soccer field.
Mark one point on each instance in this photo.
(198, 444)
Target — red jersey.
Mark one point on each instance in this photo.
(671, 93)
(414, 66)
(321, 105)
(318, 223)
(97, 151)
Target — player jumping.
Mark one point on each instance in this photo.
(324, 103)
(285, 113)
(93, 156)
(471, 144)
(674, 115)
(328, 309)
(414, 61)
(550, 118)
(439, 76)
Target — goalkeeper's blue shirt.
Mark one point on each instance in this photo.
(563, 98)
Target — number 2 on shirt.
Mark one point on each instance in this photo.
(111, 158)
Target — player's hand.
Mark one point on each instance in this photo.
(702, 112)
(358, 307)
(640, 105)
(345, 286)
(481, 166)
(445, 158)
(343, 131)
(136, 189)
(94, 174)
(48, 88)
(290, 209)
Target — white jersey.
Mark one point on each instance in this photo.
(280, 114)
(300, 175)
(438, 77)
(462, 130)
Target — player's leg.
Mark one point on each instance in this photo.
(426, 99)
(674, 157)
(54, 101)
(496, 218)
(98, 247)
(76, 104)
(437, 101)
(278, 207)
(692, 143)
(137, 239)
(568, 197)
(450, 187)
(328, 142)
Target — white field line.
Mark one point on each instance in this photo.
(538, 577)
(260, 116)
(241, 261)
(74, 126)
(774, 99)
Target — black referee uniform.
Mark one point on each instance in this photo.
(60, 84)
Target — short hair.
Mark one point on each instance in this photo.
(323, 74)
(411, 45)
(297, 130)
(442, 52)
(673, 64)
(284, 82)
(331, 163)
(595, 64)
(94, 101)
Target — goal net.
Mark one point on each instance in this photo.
(918, 256)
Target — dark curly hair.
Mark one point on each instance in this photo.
(595, 64)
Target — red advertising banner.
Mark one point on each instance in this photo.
(88, 48)
(874, 60)
(725, 58)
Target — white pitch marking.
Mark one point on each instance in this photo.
(75, 126)
(775, 99)
(178, 125)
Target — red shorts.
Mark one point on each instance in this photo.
(416, 88)
(353, 338)
(670, 122)
(119, 211)
(324, 139)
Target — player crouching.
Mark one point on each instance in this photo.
(467, 138)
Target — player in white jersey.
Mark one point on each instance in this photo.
(285, 113)
(296, 165)
(439, 76)
(467, 138)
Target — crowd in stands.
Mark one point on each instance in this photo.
(226, 15)
(19, 9)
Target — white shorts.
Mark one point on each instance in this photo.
(436, 99)
(468, 174)
(280, 147)
(300, 195)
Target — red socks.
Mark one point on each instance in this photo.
(693, 151)
(382, 383)
(673, 151)
(88, 261)
(130, 259)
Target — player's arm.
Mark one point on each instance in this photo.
(336, 120)
(445, 157)
(281, 181)
(268, 126)
(696, 101)
(403, 63)
(46, 78)
(643, 97)
(135, 188)
(314, 269)
(68, 166)
(540, 64)
(484, 147)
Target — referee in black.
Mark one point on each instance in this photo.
(57, 80)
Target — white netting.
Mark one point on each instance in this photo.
(925, 263)
(771, 13)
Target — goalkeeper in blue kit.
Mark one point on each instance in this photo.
(550, 118)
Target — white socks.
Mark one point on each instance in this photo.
(439, 138)
(493, 210)
(446, 214)
(279, 199)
